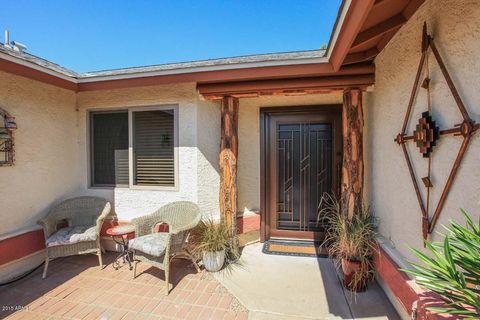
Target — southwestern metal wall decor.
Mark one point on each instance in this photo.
(427, 133)
(6, 138)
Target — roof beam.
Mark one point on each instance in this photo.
(379, 30)
(407, 12)
(357, 57)
(283, 86)
(377, 2)
(412, 7)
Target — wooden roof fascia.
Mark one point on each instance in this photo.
(253, 88)
(246, 74)
(25, 71)
(356, 16)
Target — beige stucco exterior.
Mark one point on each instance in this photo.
(52, 157)
(199, 137)
(455, 26)
(52, 150)
(198, 132)
(46, 153)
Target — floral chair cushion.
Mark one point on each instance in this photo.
(153, 244)
(72, 235)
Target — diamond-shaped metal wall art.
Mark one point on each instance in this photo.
(427, 134)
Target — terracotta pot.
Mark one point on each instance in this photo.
(213, 261)
(351, 271)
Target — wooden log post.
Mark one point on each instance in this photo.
(352, 167)
(228, 162)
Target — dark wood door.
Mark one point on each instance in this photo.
(304, 156)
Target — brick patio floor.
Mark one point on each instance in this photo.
(76, 288)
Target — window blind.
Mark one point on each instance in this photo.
(153, 148)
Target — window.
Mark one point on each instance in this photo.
(109, 133)
(150, 162)
(153, 159)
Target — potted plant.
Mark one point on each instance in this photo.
(352, 241)
(211, 240)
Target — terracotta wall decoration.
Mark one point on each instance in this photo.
(427, 134)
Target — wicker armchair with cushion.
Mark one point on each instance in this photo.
(83, 218)
(159, 248)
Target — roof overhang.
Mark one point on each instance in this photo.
(33, 71)
(350, 19)
(342, 59)
(361, 76)
(292, 87)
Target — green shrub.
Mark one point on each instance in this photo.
(452, 269)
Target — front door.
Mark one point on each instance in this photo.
(303, 155)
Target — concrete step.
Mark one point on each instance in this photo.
(258, 315)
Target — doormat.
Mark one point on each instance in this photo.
(294, 248)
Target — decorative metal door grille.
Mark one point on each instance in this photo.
(304, 173)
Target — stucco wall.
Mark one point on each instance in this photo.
(208, 146)
(130, 203)
(52, 151)
(249, 141)
(455, 26)
(45, 169)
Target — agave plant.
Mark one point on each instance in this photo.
(452, 270)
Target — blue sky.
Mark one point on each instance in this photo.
(87, 35)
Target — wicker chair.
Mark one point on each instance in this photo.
(159, 248)
(85, 216)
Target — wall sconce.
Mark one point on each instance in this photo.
(6, 138)
(4, 134)
(10, 123)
